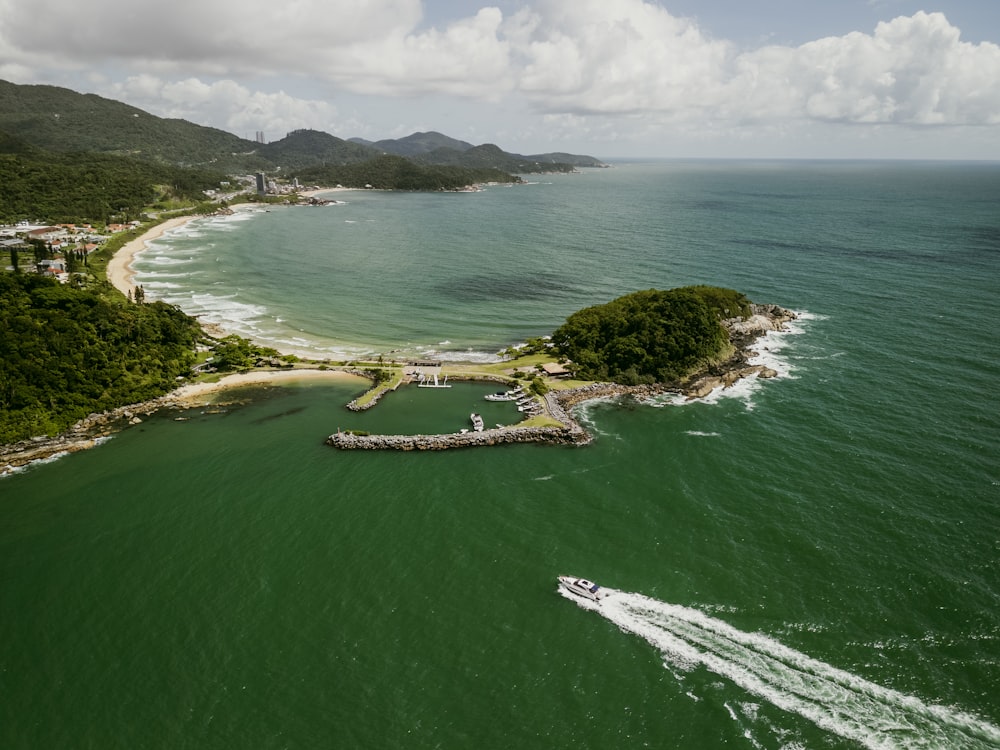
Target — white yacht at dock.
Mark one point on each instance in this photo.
(501, 396)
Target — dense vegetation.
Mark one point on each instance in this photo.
(651, 336)
(397, 173)
(66, 352)
(88, 187)
(310, 148)
(491, 157)
(435, 148)
(59, 119)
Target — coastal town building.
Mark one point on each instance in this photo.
(555, 370)
(20, 240)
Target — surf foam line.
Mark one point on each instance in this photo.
(833, 699)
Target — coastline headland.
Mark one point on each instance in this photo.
(561, 427)
(557, 424)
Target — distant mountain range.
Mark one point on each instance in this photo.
(437, 148)
(61, 120)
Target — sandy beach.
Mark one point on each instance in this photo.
(120, 266)
(197, 393)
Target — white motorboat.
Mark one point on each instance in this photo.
(501, 396)
(582, 587)
(477, 422)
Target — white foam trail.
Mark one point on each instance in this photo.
(833, 699)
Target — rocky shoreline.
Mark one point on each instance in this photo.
(85, 434)
(743, 335)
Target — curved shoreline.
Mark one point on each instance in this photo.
(119, 271)
(558, 403)
(89, 431)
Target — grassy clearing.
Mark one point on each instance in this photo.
(372, 394)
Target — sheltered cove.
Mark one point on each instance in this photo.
(558, 404)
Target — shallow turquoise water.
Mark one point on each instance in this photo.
(229, 580)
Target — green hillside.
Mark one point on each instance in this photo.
(311, 148)
(58, 119)
(419, 144)
(489, 156)
(397, 173)
(436, 148)
(71, 352)
(89, 187)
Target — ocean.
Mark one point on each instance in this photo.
(806, 562)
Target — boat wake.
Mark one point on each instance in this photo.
(833, 699)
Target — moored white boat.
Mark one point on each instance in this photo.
(582, 588)
(502, 396)
(477, 422)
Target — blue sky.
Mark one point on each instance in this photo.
(611, 78)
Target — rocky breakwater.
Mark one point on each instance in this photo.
(558, 403)
(496, 436)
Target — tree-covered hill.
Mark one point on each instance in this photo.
(66, 353)
(58, 119)
(310, 148)
(491, 157)
(397, 173)
(651, 336)
(437, 148)
(419, 144)
(61, 120)
(88, 187)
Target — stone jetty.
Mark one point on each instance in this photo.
(495, 436)
(558, 404)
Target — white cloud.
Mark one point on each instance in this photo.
(596, 68)
(632, 56)
(370, 47)
(228, 105)
(467, 58)
(616, 57)
(240, 35)
(912, 70)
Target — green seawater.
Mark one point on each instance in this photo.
(808, 562)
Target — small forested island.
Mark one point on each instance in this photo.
(651, 336)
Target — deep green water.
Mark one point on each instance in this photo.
(812, 561)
